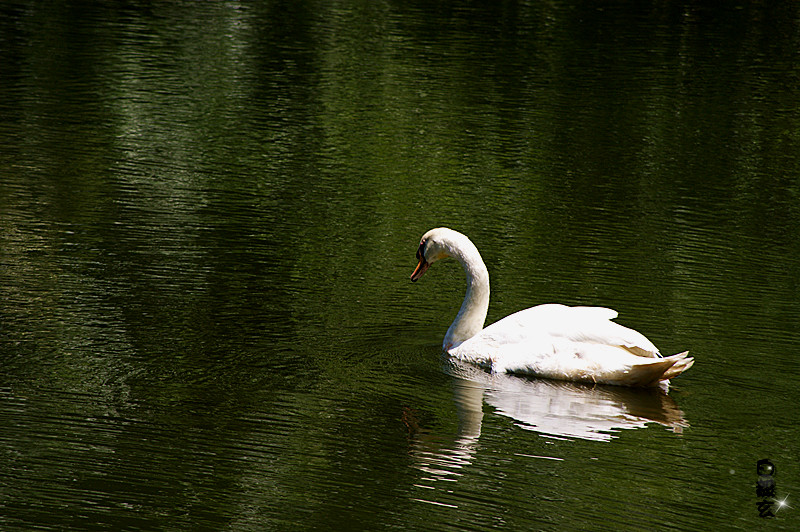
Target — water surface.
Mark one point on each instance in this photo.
(208, 217)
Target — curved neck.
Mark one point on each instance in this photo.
(472, 314)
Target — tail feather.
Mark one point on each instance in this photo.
(651, 374)
(682, 363)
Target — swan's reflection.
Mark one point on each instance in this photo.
(443, 460)
(555, 409)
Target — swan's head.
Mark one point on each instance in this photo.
(435, 244)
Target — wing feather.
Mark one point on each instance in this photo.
(576, 324)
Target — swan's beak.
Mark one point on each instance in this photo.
(422, 267)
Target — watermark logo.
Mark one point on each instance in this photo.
(768, 503)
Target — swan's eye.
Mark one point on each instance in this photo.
(421, 251)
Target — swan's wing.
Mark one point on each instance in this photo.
(591, 325)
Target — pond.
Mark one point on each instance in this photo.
(209, 214)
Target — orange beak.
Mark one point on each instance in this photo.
(421, 268)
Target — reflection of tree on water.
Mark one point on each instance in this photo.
(556, 409)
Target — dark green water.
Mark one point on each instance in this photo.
(209, 213)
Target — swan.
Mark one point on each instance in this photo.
(554, 341)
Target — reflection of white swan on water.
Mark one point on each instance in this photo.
(569, 410)
(554, 409)
(445, 459)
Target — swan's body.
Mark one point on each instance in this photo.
(553, 341)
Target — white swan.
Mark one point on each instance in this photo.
(554, 341)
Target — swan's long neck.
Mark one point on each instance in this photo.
(472, 314)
